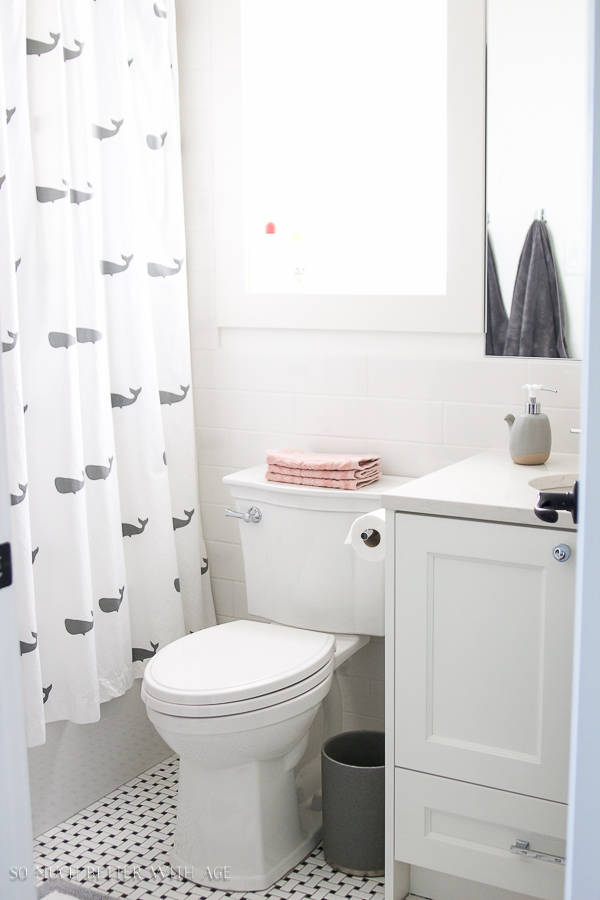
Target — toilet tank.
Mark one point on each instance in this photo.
(298, 569)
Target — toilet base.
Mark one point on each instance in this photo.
(221, 879)
(244, 815)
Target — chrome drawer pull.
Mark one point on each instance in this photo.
(522, 848)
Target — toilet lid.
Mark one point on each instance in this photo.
(235, 661)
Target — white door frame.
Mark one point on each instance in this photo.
(17, 875)
(583, 839)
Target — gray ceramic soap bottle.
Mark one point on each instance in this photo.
(530, 435)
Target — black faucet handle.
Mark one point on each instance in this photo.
(548, 504)
(546, 515)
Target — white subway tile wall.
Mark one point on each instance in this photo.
(419, 401)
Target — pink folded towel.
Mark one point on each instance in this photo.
(347, 484)
(329, 474)
(346, 471)
(306, 459)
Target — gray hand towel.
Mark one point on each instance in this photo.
(536, 326)
(496, 318)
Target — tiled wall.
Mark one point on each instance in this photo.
(78, 764)
(420, 401)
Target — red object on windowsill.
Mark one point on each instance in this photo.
(270, 228)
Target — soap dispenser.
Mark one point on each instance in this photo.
(530, 435)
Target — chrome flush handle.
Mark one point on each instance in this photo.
(253, 515)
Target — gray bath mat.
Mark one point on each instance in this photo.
(70, 889)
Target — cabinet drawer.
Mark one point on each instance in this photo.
(467, 830)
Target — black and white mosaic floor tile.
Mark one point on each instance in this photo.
(120, 846)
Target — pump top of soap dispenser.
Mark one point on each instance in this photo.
(532, 407)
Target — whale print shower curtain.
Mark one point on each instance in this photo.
(108, 556)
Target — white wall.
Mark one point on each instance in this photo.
(537, 139)
(421, 401)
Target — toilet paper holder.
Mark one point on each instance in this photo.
(371, 537)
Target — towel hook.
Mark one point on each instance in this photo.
(541, 215)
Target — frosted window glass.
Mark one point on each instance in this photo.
(345, 147)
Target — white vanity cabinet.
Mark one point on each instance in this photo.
(482, 620)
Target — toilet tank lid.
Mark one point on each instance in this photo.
(254, 478)
(235, 661)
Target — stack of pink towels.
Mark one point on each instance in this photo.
(346, 471)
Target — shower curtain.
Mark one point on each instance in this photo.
(108, 555)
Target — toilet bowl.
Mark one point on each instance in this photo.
(237, 701)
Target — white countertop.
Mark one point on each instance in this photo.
(487, 486)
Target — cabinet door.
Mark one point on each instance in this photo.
(484, 622)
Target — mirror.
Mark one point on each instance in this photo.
(537, 139)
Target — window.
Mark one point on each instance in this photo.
(349, 163)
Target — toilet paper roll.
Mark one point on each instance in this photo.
(367, 536)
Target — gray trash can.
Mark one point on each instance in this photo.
(352, 765)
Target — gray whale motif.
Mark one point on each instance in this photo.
(78, 626)
(101, 133)
(164, 451)
(28, 648)
(15, 499)
(156, 141)
(13, 335)
(69, 485)
(204, 568)
(10, 113)
(129, 530)
(121, 401)
(36, 48)
(111, 604)
(177, 585)
(49, 195)
(17, 263)
(88, 335)
(46, 692)
(139, 654)
(25, 408)
(96, 473)
(161, 13)
(181, 523)
(129, 61)
(81, 196)
(73, 54)
(60, 339)
(110, 268)
(34, 553)
(2, 180)
(157, 270)
(166, 397)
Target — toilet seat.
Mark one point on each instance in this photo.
(235, 668)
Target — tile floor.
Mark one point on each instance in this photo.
(119, 845)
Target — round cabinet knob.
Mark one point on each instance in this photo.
(561, 552)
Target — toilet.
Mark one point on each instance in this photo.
(237, 701)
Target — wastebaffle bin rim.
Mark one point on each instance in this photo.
(357, 733)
